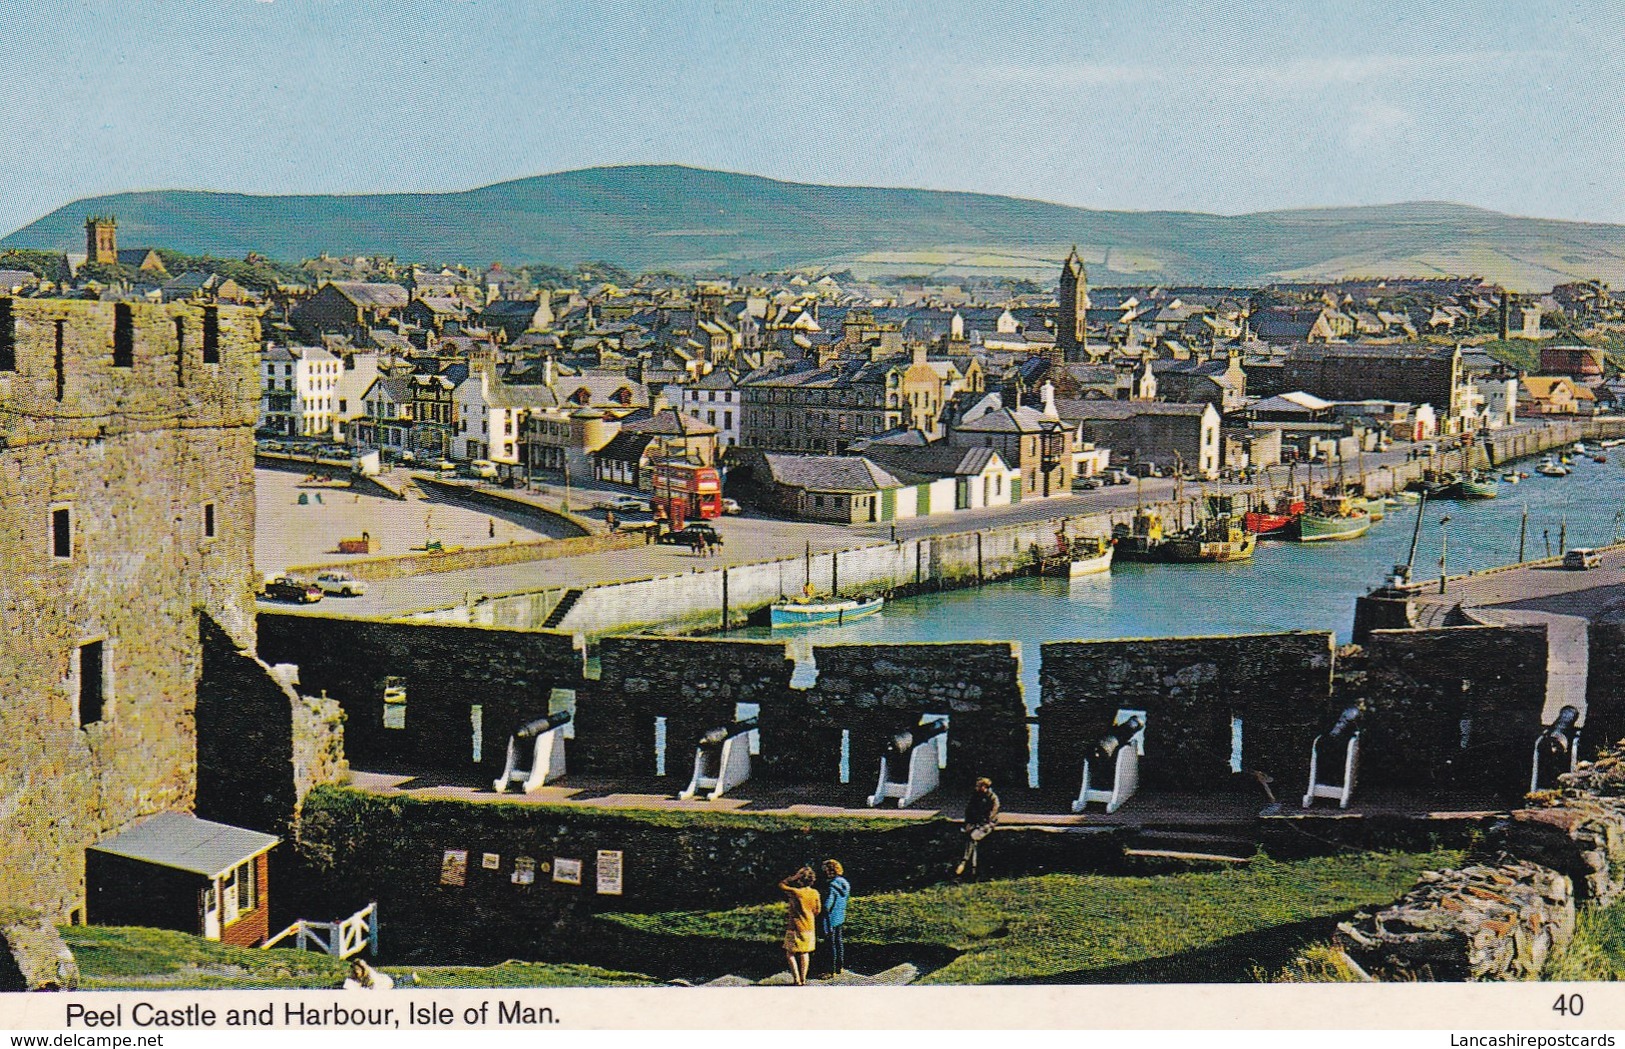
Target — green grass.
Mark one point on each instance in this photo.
(1597, 951)
(1215, 925)
(350, 803)
(121, 958)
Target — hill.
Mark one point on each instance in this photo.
(691, 220)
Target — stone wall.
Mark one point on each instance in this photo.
(695, 685)
(449, 674)
(133, 454)
(1482, 922)
(261, 746)
(359, 847)
(874, 691)
(1192, 689)
(1605, 683)
(403, 566)
(1454, 707)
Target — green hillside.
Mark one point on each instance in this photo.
(691, 220)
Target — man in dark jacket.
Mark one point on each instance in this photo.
(981, 816)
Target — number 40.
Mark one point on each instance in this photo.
(1569, 1005)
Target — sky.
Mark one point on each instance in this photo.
(1200, 106)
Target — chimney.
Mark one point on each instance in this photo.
(1047, 392)
(919, 353)
(548, 372)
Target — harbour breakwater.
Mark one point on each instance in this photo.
(724, 598)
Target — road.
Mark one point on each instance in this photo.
(750, 539)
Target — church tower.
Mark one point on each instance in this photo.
(101, 239)
(1071, 331)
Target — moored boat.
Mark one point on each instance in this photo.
(1332, 517)
(1074, 558)
(1219, 537)
(1550, 467)
(826, 611)
(1140, 540)
(1276, 520)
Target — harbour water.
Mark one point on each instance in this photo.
(1287, 585)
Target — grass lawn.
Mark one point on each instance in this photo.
(1223, 925)
(115, 958)
(1597, 951)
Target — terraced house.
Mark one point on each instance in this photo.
(802, 407)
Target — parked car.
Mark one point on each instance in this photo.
(730, 507)
(1086, 484)
(1117, 477)
(406, 456)
(287, 588)
(690, 535)
(445, 466)
(1145, 470)
(484, 469)
(627, 504)
(342, 583)
(1581, 558)
(271, 446)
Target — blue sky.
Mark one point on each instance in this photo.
(1195, 106)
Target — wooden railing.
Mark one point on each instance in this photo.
(341, 938)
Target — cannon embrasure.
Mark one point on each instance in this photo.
(546, 737)
(912, 751)
(721, 760)
(1118, 749)
(1338, 748)
(1557, 749)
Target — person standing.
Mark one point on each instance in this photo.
(832, 922)
(981, 816)
(802, 909)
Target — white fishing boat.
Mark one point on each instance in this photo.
(1550, 467)
(823, 611)
(1078, 557)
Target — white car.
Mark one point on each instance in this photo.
(731, 507)
(628, 505)
(342, 583)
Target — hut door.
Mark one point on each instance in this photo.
(211, 911)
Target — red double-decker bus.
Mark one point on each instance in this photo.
(686, 491)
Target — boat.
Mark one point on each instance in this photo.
(1598, 457)
(1512, 477)
(1471, 486)
(1409, 497)
(1332, 517)
(1550, 467)
(809, 610)
(1140, 540)
(1373, 507)
(1075, 558)
(1218, 538)
(1276, 519)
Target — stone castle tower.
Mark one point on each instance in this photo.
(1071, 313)
(101, 239)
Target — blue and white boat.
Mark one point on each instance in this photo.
(824, 611)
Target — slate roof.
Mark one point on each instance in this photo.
(833, 473)
(940, 460)
(364, 294)
(184, 842)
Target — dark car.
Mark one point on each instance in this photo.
(691, 534)
(283, 588)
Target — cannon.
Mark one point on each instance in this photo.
(721, 760)
(1119, 750)
(545, 738)
(907, 751)
(1557, 749)
(1338, 746)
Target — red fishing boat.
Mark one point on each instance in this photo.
(1281, 516)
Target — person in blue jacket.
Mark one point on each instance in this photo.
(833, 919)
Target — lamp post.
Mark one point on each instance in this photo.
(1444, 548)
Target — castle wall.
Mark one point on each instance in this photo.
(133, 454)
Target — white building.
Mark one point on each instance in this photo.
(360, 372)
(299, 390)
(715, 400)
